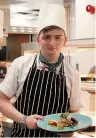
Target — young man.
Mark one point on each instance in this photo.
(44, 83)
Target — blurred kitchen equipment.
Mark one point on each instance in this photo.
(77, 66)
(92, 72)
(29, 48)
(3, 70)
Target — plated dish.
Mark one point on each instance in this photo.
(65, 120)
(82, 122)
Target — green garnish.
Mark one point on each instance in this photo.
(66, 115)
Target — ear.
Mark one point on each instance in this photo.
(65, 41)
(38, 40)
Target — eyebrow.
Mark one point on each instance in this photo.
(52, 35)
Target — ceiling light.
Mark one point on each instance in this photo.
(14, 30)
(21, 30)
(14, 27)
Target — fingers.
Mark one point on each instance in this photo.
(38, 117)
(31, 121)
(34, 123)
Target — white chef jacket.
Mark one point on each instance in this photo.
(17, 73)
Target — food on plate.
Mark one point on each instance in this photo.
(60, 125)
(65, 121)
(53, 122)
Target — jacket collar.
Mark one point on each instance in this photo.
(51, 66)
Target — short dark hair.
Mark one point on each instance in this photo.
(48, 28)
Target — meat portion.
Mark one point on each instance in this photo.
(74, 120)
(67, 119)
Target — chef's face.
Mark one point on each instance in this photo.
(52, 41)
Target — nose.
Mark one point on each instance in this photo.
(52, 41)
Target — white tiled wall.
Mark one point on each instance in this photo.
(85, 58)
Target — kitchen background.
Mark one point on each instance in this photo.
(20, 33)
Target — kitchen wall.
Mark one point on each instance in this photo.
(82, 23)
(85, 22)
(85, 58)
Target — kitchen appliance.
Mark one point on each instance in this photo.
(3, 71)
(29, 48)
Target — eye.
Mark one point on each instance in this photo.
(46, 37)
(57, 37)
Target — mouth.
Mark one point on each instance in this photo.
(52, 49)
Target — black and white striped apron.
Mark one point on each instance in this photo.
(43, 93)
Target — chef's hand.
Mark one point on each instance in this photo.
(31, 121)
(65, 134)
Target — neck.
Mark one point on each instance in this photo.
(51, 58)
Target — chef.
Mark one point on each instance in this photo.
(43, 83)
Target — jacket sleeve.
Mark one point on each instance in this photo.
(75, 95)
(10, 83)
